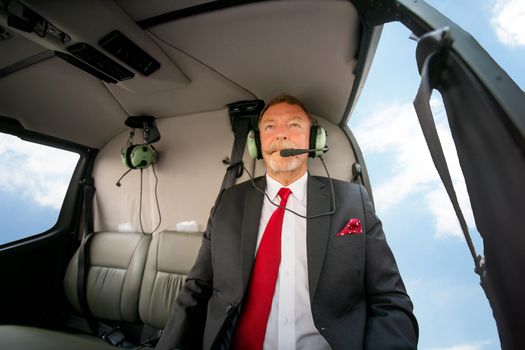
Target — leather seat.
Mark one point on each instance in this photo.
(171, 256)
(129, 280)
(114, 279)
(30, 338)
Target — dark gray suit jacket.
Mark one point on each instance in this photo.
(358, 299)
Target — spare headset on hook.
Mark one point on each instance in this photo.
(143, 155)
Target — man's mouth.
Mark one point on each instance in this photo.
(277, 147)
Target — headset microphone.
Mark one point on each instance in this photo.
(290, 152)
(118, 184)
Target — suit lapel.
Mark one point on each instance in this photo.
(317, 230)
(250, 228)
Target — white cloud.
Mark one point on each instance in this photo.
(394, 133)
(394, 130)
(37, 172)
(508, 21)
(466, 346)
(441, 208)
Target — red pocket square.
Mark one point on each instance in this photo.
(352, 227)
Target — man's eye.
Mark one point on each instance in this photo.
(268, 127)
(295, 125)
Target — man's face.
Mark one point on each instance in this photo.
(284, 126)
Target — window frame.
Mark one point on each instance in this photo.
(70, 212)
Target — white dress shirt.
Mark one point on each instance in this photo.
(290, 324)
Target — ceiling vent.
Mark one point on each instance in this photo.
(128, 52)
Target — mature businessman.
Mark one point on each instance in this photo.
(273, 278)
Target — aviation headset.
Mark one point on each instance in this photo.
(317, 141)
(317, 146)
(139, 156)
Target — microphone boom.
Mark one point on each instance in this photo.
(290, 152)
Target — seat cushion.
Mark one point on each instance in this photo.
(170, 258)
(22, 338)
(115, 274)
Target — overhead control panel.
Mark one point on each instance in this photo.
(128, 52)
(98, 60)
(115, 50)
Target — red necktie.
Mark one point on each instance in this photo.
(251, 327)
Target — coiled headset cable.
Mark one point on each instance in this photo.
(156, 201)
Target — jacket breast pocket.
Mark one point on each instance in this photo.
(351, 240)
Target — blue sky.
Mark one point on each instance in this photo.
(418, 219)
(33, 182)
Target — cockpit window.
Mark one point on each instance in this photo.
(33, 182)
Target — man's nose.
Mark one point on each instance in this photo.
(281, 133)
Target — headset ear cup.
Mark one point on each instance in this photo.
(320, 140)
(251, 145)
(257, 138)
(138, 156)
(313, 139)
(154, 154)
(125, 154)
(142, 156)
(317, 140)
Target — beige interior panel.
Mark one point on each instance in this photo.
(190, 172)
(57, 99)
(304, 48)
(137, 10)
(207, 91)
(19, 48)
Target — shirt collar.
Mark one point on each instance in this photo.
(298, 187)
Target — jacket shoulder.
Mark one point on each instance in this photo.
(339, 184)
(246, 185)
